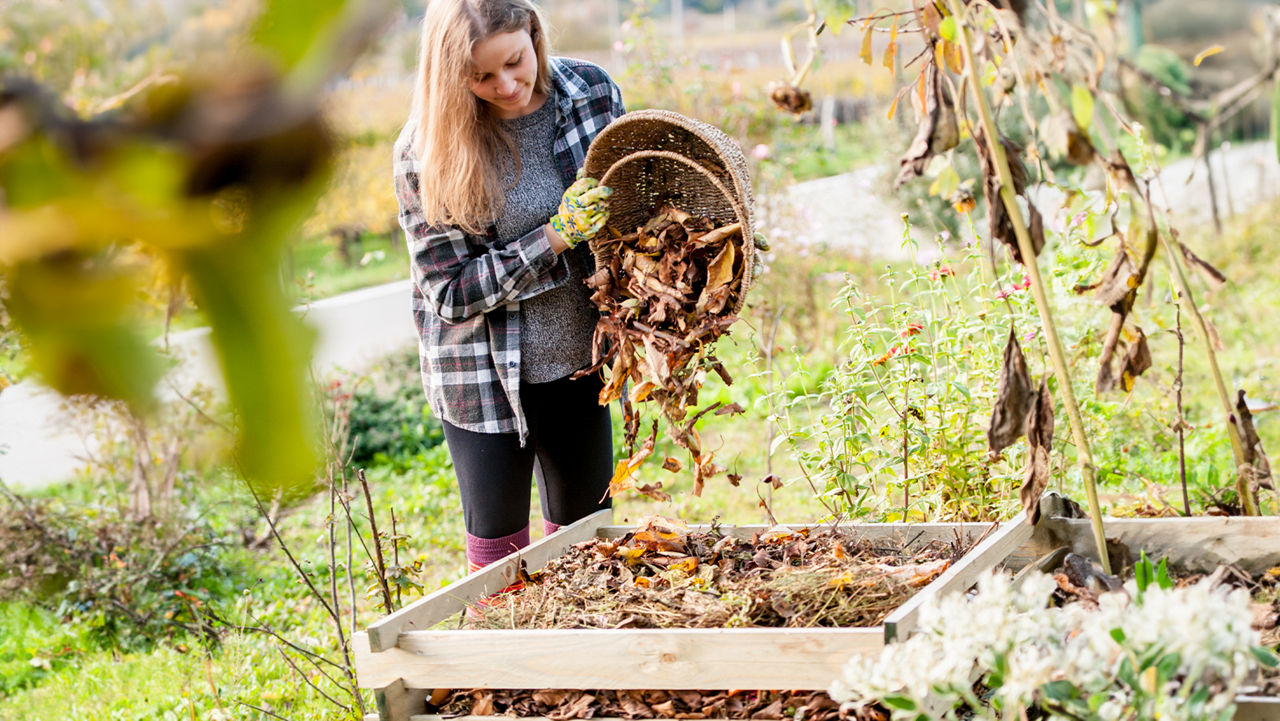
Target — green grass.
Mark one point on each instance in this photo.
(319, 272)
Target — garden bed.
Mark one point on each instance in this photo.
(1193, 547)
(405, 654)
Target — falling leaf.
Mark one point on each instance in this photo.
(1039, 423)
(621, 480)
(1013, 398)
(1207, 52)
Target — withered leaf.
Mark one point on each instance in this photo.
(1215, 277)
(1013, 398)
(1254, 456)
(1000, 224)
(937, 133)
(483, 705)
(735, 479)
(773, 480)
(621, 480)
(731, 409)
(1120, 278)
(1039, 442)
(1136, 361)
(673, 464)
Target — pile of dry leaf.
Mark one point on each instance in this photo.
(736, 704)
(662, 575)
(667, 293)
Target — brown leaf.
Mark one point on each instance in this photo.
(653, 491)
(773, 480)
(1119, 279)
(621, 480)
(937, 133)
(1000, 224)
(673, 464)
(1212, 275)
(633, 705)
(483, 705)
(731, 409)
(1013, 398)
(1039, 443)
(1136, 361)
(580, 707)
(1254, 456)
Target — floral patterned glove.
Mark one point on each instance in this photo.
(584, 209)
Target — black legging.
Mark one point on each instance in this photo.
(569, 450)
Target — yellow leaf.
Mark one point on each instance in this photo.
(891, 51)
(641, 391)
(865, 55)
(688, 565)
(893, 107)
(1211, 50)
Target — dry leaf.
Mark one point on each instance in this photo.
(1039, 442)
(1254, 456)
(937, 133)
(672, 464)
(1013, 397)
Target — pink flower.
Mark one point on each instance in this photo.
(760, 152)
(910, 330)
(737, 88)
(945, 271)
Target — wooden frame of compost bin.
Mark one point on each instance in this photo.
(1198, 544)
(402, 657)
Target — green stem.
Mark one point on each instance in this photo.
(1057, 357)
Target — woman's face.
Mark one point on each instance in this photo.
(504, 70)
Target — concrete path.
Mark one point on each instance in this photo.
(44, 438)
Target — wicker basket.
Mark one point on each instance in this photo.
(666, 130)
(645, 179)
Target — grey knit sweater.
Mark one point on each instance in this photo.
(556, 326)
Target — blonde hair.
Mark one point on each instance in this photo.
(458, 142)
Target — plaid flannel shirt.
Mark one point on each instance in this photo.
(467, 288)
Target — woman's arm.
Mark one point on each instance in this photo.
(459, 279)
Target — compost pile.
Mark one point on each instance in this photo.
(662, 575)
(666, 293)
(736, 704)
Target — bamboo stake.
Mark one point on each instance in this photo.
(1057, 357)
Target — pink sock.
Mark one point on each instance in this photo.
(549, 528)
(483, 551)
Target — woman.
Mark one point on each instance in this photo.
(496, 227)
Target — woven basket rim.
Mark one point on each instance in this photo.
(725, 149)
(743, 218)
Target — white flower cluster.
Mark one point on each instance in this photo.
(1178, 654)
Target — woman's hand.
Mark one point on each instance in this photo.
(584, 209)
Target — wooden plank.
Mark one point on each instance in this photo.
(397, 703)
(682, 658)
(1257, 708)
(1198, 544)
(430, 610)
(991, 551)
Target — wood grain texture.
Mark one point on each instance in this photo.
(1192, 544)
(1257, 708)
(682, 658)
(430, 610)
(963, 573)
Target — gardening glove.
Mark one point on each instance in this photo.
(584, 209)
